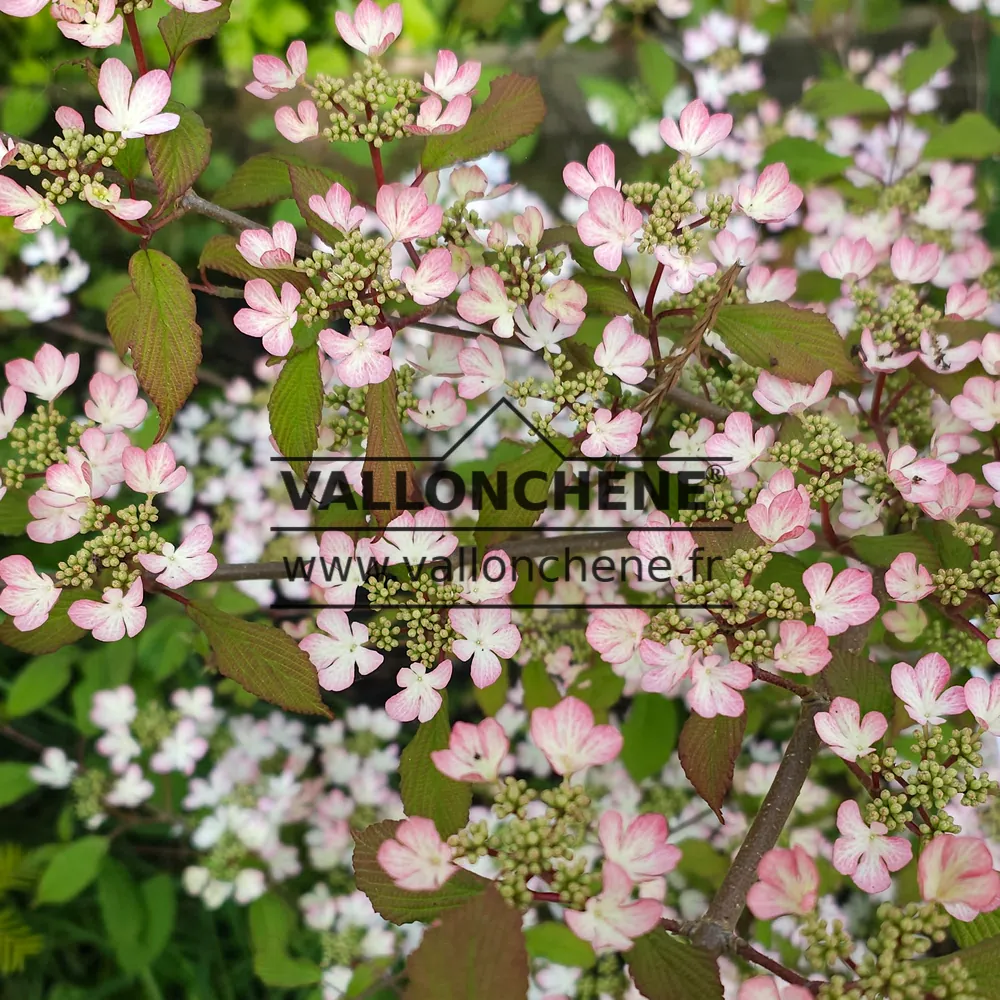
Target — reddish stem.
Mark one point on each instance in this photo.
(136, 40)
(546, 897)
(829, 533)
(877, 397)
(799, 690)
(651, 294)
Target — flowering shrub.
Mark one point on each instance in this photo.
(297, 703)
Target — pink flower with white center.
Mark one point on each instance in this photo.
(844, 731)
(443, 410)
(133, 111)
(989, 354)
(966, 303)
(680, 270)
(427, 539)
(673, 547)
(113, 403)
(371, 30)
(565, 299)
(416, 859)
(955, 495)
(474, 753)
(434, 119)
(913, 263)
(918, 480)
(487, 634)
(609, 225)
(729, 249)
(539, 330)
(739, 446)
(699, 131)
(181, 750)
(104, 457)
(764, 285)
(482, 367)
(882, 357)
(612, 919)
(359, 357)
(801, 649)
(767, 988)
(335, 208)
(924, 690)
(274, 76)
(336, 654)
(154, 470)
(433, 280)
(114, 615)
(670, 665)
(865, 852)
(298, 124)
(96, 30)
(113, 708)
(957, 872)
(12, 406)
(27, 596)
(622, 352)
(405, 212)
(47, 376)
(937, 353)
(842, 602)
(616, 632)
(849, 260)
(486, 301)
(269, 317)
(494, 581)
(778, 395)
(772, 199)
(599, 172)
(640, 849)
(529, 227)
(979, 403)
(57, 509)
(981, 696)
(450, 80)
(8, 152)
(131, 789)
(119, 746)
(566, 734)
(269, 249)
(715, 686)
(782, 510)
(109, 199)
(419, 698)
(789, 883)
(180, 565)
(615, 435)
(907, 581)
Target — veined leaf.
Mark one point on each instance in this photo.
(971, 137)
(71, 870)
(708, 749)
(650, 734)
(58, 630)
(836, 98)
(853, 675)
(295, 408)
(555, 942)
(220, 254)
(807, 160)
(180, 29)
(177, 157)
(665, 967)
(387, 458)
(263, 180)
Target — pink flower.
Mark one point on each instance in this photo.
(839, 604)
(844, 731)
(801, 649)
(180, 565)
(770, 286)
(767, 988)
(181, 750)
(443, 410)
(616, 632)
(298, 124)
(673, 547)
(565, 299)
(272, 76)
(269, 317)
(13, 403)
(109, 199)
(29, 209)
(773, 198)
(360, 357)
(335, 208)
(474, 753)
(670, 665)
(417, 858)
(434, 119)
(612, 919)
(419, 698)
(599, 172)
(882, 357)
(622, 352)
(983, 700)
(47, 376)
(913, 263)
(336, 654)
(404, 211)
(154, 470)
(918, 480)
(372, 30)
(714, 687)
(907, 581)
(616, 435)
(738, 446)
(113, 403)
(957, 872)
(681, 270)
(451, 80)
(427, 539)
(487, 634)
(66, 498)
(609, 225)
(966, 303)
(486, 301)
(848, 259)
(539, 330)
(789, 883)
(28, 596)
(782, 510)
(101, 27)
(482, 368)
(640, 849)
(269, 249)
(133, 111)
(566, 734)
(22, 8)
(937, 353)
(955, 495)
(979, 403)
(104, 457)
(866, 853)
(778, 395)
(699, 131)
(922, 689)
(728, 249)
(195, 6)
(433, 280)
(114, 615)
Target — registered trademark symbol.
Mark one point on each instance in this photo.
(714, 474)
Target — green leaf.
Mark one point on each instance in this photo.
(424, 789)
(968, 933)
(853, 675)
(807, 160)
(272, 921)
(514, 109)
(607, 295)
(400, 906)
(159, 900)
(24, 110)
(15, 782)
(58, 630)
(703, 865)
(295, 408)
(14, 513)
(971, 137)
(880, 550)
(708, 749)
(474, 953)
(982, 962)
(261, 180)
(38, 683)
(385, 441)
(620, 111)
(493, 697)
(130, 161)
(540, 690)
(180, 29)
(262, 659)
(220, 254)
(71, 870)
(555, 942)
(656, 69)
(177, 157)
(796, 344)
(836, 98)
(667, 968)
(599, 687)
(921, 64)
(155, 319)
(122, 912)
(650, 734)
